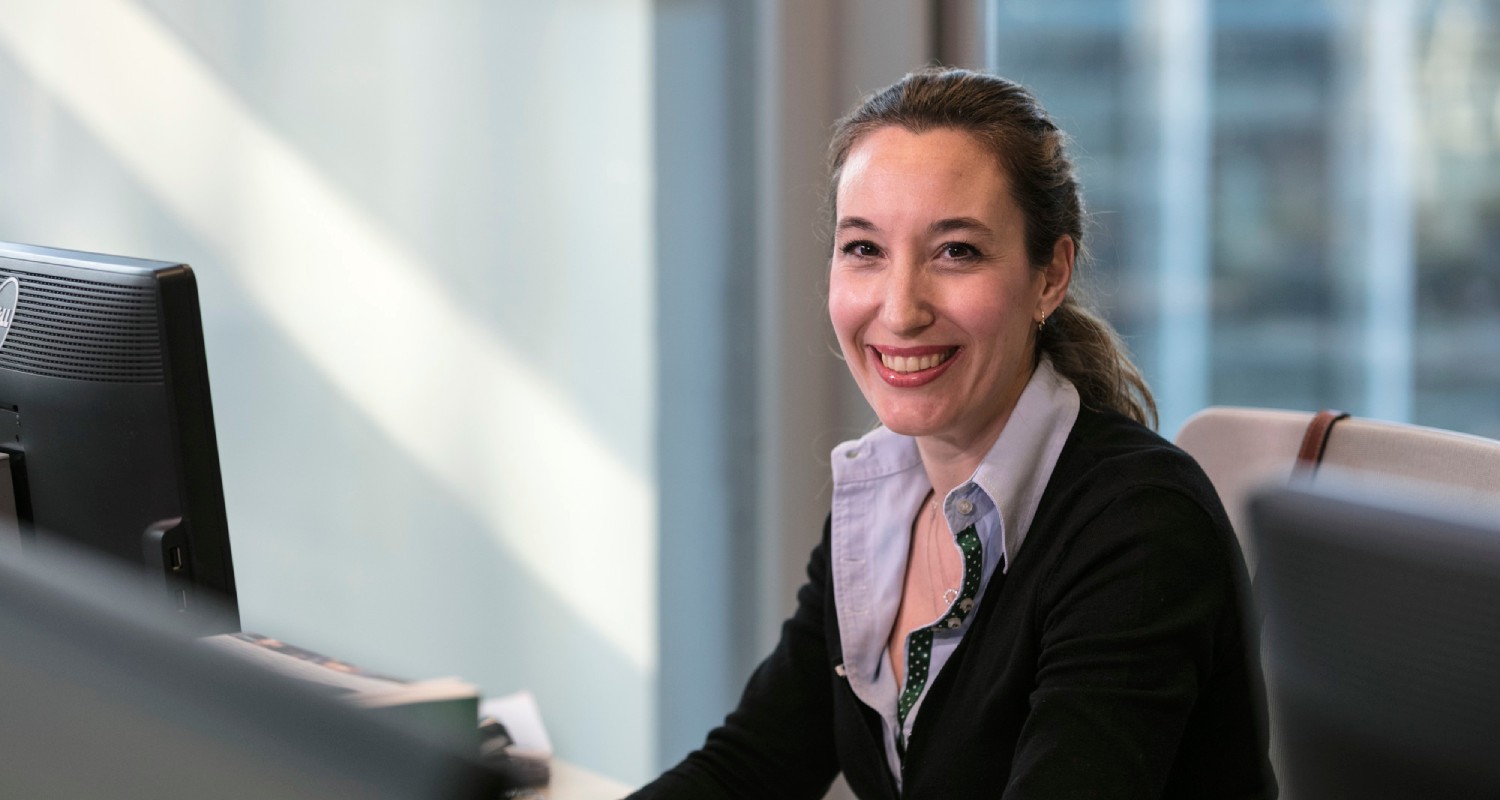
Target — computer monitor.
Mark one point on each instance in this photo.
(101, 698)
(1382, 640)
(106, 420)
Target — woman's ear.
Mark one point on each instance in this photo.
(1056, 276)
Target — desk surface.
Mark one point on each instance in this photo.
(570, 782)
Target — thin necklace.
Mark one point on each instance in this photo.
(934, 562)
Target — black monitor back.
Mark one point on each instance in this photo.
(1382, 642)
(101, 699)
(106, 415)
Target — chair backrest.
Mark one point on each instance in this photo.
(1243, 449)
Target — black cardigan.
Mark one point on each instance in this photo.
(1109, 661)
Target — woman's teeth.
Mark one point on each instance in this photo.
(912, 363)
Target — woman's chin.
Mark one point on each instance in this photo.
(909, 424)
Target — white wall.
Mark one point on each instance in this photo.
(423, 238)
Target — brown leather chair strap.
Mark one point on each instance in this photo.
(1316, 438)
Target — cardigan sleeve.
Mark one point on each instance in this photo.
(1131, 618)
(779, 741)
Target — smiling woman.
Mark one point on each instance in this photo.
(1021, 590)
(934, 302)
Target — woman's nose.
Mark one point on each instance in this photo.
(906, 307)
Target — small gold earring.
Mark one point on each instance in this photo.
(1040, 324)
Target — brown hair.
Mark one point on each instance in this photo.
(1032, 151)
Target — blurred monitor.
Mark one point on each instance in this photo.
(1382, 641)
(107, 424)
(102, 699)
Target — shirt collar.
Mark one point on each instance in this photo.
(1015, 471)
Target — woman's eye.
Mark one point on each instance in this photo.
(861, 249)
(959, 250)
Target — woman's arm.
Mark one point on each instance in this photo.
(1142, 644)
(779, 741)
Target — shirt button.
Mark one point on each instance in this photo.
(964, 507)
(851, 453)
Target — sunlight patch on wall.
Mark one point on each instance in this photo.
(361, 307)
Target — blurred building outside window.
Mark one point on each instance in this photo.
(1296, 203)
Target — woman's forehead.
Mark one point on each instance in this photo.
(940, 171)
(894, 144)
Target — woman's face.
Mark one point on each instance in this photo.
(930, 292)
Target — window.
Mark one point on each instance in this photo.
(1296, 203)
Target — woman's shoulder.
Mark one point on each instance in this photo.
(1108, 455)
(1119, 487)
(1104, 440)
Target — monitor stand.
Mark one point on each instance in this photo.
(10, 521)
(167, 572)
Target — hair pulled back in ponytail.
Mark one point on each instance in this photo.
(1009, 122)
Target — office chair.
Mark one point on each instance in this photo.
(1245, 449)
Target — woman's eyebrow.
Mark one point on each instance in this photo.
(856, 223)
(959, 224)
(940, 226)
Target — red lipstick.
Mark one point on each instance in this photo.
(911, 380)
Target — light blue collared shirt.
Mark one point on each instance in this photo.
(878, 488)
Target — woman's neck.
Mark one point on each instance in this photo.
(949, 463)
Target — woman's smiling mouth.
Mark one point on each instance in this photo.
(912, 363)
(908, 367)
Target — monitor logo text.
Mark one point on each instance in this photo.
(10, 293)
